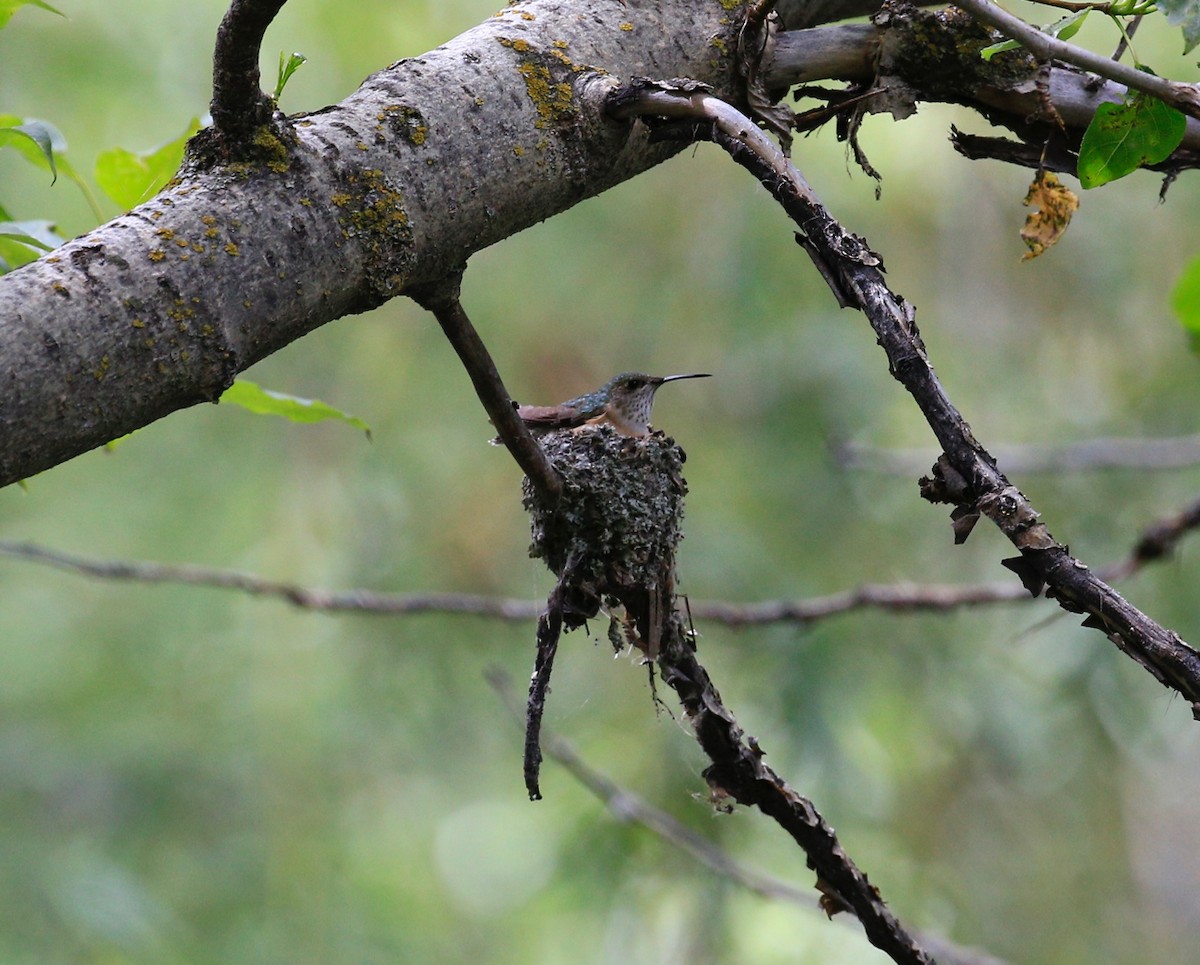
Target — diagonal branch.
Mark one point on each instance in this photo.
(739, 773)
(442, 300)
(624, 805)
(966, 475)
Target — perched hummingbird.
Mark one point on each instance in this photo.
(623, 403)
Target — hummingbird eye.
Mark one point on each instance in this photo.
(636, 383)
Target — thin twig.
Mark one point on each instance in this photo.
(1156, 542)
(1126, 36)
(1184, 97)
(442, 300)
(304, 597)
(239, 104)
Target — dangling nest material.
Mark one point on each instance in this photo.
(611, 539)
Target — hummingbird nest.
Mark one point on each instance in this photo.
(610, 539)
(612, 536)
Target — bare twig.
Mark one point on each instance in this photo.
(966, 475)
(627, 806)
(1156, 542)
(1160, 538)
(305, 597)
(442, 300)
(1183, 97)
(239, 104)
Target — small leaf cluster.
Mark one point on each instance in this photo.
(128, 178)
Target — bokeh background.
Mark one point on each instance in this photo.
(190, 775)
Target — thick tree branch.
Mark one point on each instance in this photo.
(429, 161)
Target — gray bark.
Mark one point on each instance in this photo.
(431, 160)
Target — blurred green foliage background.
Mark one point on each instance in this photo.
(188, 775)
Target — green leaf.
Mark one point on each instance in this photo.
(1185, 300)
(22, 241)
(130, 178)
(1069, 26)
(34, 140)
(1185, 14)
(266, 402)
(9, 7)
(43, 145)
(1123, 137)
(987, 53)
(288, 65)
(1063, 29)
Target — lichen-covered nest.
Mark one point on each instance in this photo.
(617, 525)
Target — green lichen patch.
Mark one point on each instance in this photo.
(373, 212)
(270, 149)
(552, 101)
(547, 80)
(407, 122)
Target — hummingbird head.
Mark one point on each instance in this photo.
(631, 396)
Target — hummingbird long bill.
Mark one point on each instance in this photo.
(624, 402)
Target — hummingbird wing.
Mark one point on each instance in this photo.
(550, 417)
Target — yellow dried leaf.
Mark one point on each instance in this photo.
(1055, 203)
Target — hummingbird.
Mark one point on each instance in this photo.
(624, 402)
